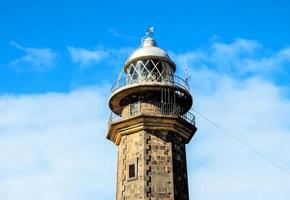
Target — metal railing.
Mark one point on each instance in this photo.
(150, 108)
(173, 80)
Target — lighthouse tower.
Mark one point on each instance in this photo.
(150, 124)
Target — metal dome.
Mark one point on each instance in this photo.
(148, 50)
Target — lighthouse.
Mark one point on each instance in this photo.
(151, 125)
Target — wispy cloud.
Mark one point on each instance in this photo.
(86, 57)
(35, 59)
(240, 57)
(89, 57)
(114, 32)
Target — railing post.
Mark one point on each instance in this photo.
(139, 108)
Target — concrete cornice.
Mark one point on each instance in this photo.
(150, 122)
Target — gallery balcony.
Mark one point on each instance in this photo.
(154, 78)
(150, 109)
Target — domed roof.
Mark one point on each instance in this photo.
(149, 49)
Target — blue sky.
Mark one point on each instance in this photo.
(58, 61)
(180, 26)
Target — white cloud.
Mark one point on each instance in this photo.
(277, 62)
(253, 110)
(86, 57)
(239, 46)
(53, 146)
(36, 59)
(241, 57)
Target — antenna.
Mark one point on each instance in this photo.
(186, 70)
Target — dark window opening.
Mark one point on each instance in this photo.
(132, 171)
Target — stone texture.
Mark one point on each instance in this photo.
(161, 166)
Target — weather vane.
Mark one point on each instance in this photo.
(149, 32)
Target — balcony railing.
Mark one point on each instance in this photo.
(174, 80)
(150, 108)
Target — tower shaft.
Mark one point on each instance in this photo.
(159, 164)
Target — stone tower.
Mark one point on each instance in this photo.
(150, 124)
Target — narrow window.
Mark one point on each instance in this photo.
(132, 171)
(133, 109)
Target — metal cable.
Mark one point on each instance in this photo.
(237, 139)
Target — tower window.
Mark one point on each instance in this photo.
(133, 109)
(132, 171)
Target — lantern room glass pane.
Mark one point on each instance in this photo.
(149, 70)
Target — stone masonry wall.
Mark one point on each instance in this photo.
(131, 151)
(160, 168)
(159, 157)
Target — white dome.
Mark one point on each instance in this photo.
(149, 50)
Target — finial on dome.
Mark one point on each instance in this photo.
(150, 31)
(148, 39)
